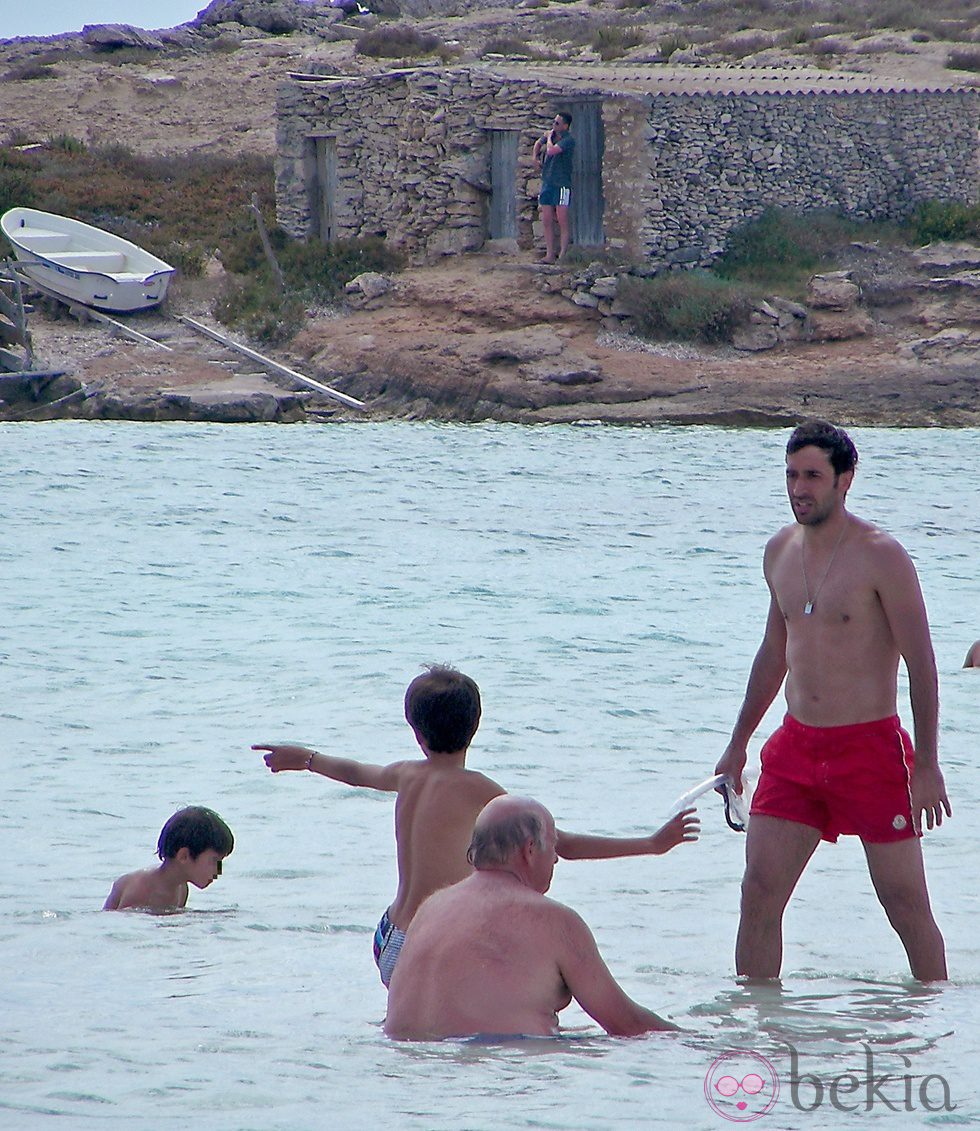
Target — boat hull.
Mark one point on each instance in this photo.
(103, 292)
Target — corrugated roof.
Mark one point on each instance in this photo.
(659, 78)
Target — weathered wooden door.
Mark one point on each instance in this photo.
(587, 200)
(321, 181)
(503, 184)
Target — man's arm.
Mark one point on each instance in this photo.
(346, 770)
(905, 611)
(765, 679)
(582, 846)
(589, 981)
(552, 147)
(112, 900)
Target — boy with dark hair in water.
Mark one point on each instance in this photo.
(439, 800)
(192, 845)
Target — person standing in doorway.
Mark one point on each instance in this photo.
(845, 607)
(553, 156)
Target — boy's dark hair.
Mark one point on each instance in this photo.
(196, 829)
(443, 706)
(834, 441)
(568, 117)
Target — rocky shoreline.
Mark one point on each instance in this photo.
(894, 340)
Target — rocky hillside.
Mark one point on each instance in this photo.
(210, 84)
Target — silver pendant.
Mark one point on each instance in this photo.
(808, 608)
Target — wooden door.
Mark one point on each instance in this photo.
(321, 182)
(587, 200)
(503, 184)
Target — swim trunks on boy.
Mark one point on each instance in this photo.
(388, 941)
(851, 780)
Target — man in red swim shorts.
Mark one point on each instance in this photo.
(845, 607)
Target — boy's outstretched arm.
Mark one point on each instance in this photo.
(678, 830)
(368, 774)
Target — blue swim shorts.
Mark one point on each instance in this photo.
(555, 197)
(388, 941)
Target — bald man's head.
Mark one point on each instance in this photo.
(504, 827)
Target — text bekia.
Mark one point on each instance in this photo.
(853, 1091)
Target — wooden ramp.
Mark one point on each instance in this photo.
(13, 324)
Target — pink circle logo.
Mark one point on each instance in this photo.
(741, 1086)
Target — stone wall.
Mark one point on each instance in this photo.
(679, 170)
(413, 154)
(715, 160)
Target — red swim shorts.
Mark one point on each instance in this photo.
(852, 779)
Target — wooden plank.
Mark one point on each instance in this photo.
(122, 328)
(11, 335)
(11, 361)
(334, 394)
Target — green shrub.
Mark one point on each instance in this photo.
(508, 45)
(321, 270)
(397, 42)
(739, 46)
(25, 72)
(945, 220)
(610, 42)
(782, 246)
(259, 310)
(313, 272)
(964, 59)
(16, 189)
(65, 143)
(671, 43)
(687, 305)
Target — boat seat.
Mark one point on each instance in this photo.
(106, 261)
(40, 240)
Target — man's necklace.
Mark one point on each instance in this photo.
(811, 601)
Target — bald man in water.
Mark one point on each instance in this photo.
(492, 955)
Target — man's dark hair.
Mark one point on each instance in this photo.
(443, 706)
(566, 116)
(834, 441)
(196, 829)
(495, 842)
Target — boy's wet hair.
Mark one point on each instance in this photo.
(566, 117)
(443, 706)
(834, 441)
(196, 829)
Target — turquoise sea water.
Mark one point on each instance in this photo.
(173, 593)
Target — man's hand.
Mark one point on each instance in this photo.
(681, 829)
(732, 763)
(929, 797)
(286, 757)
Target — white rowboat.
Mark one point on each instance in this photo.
(85, 264)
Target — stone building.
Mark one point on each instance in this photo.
(668, 159)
